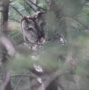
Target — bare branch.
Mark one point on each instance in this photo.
(37, 5)
(20, 80)
(19, 75)
(30, 5)
(14, 20)
(81, 7)
(79, 22)
(16, 10)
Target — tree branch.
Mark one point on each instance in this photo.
(20, 80)
(37, 5)
(79, 22)
(30, 5)
(81, 7)
(14, 20)
(19, 75)
(16, 10)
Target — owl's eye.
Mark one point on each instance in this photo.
(29, 29)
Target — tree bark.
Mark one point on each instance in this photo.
(5, 9)
(6, 85)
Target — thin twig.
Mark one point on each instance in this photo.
(19, 75)
(31, 75)
(80, 22)
(30, 5)
(81, 7)
(14, 20)
(16, 10)
(77, 21)
(26, 8)
(37, 5)
(20, 80)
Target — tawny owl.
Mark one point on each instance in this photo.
(33, 29)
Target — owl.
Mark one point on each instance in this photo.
(33, 29)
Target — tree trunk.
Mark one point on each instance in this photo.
(6, 85)
(5, 9)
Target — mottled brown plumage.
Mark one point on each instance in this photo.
(33, 29)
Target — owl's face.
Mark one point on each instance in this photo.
(33, 29)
